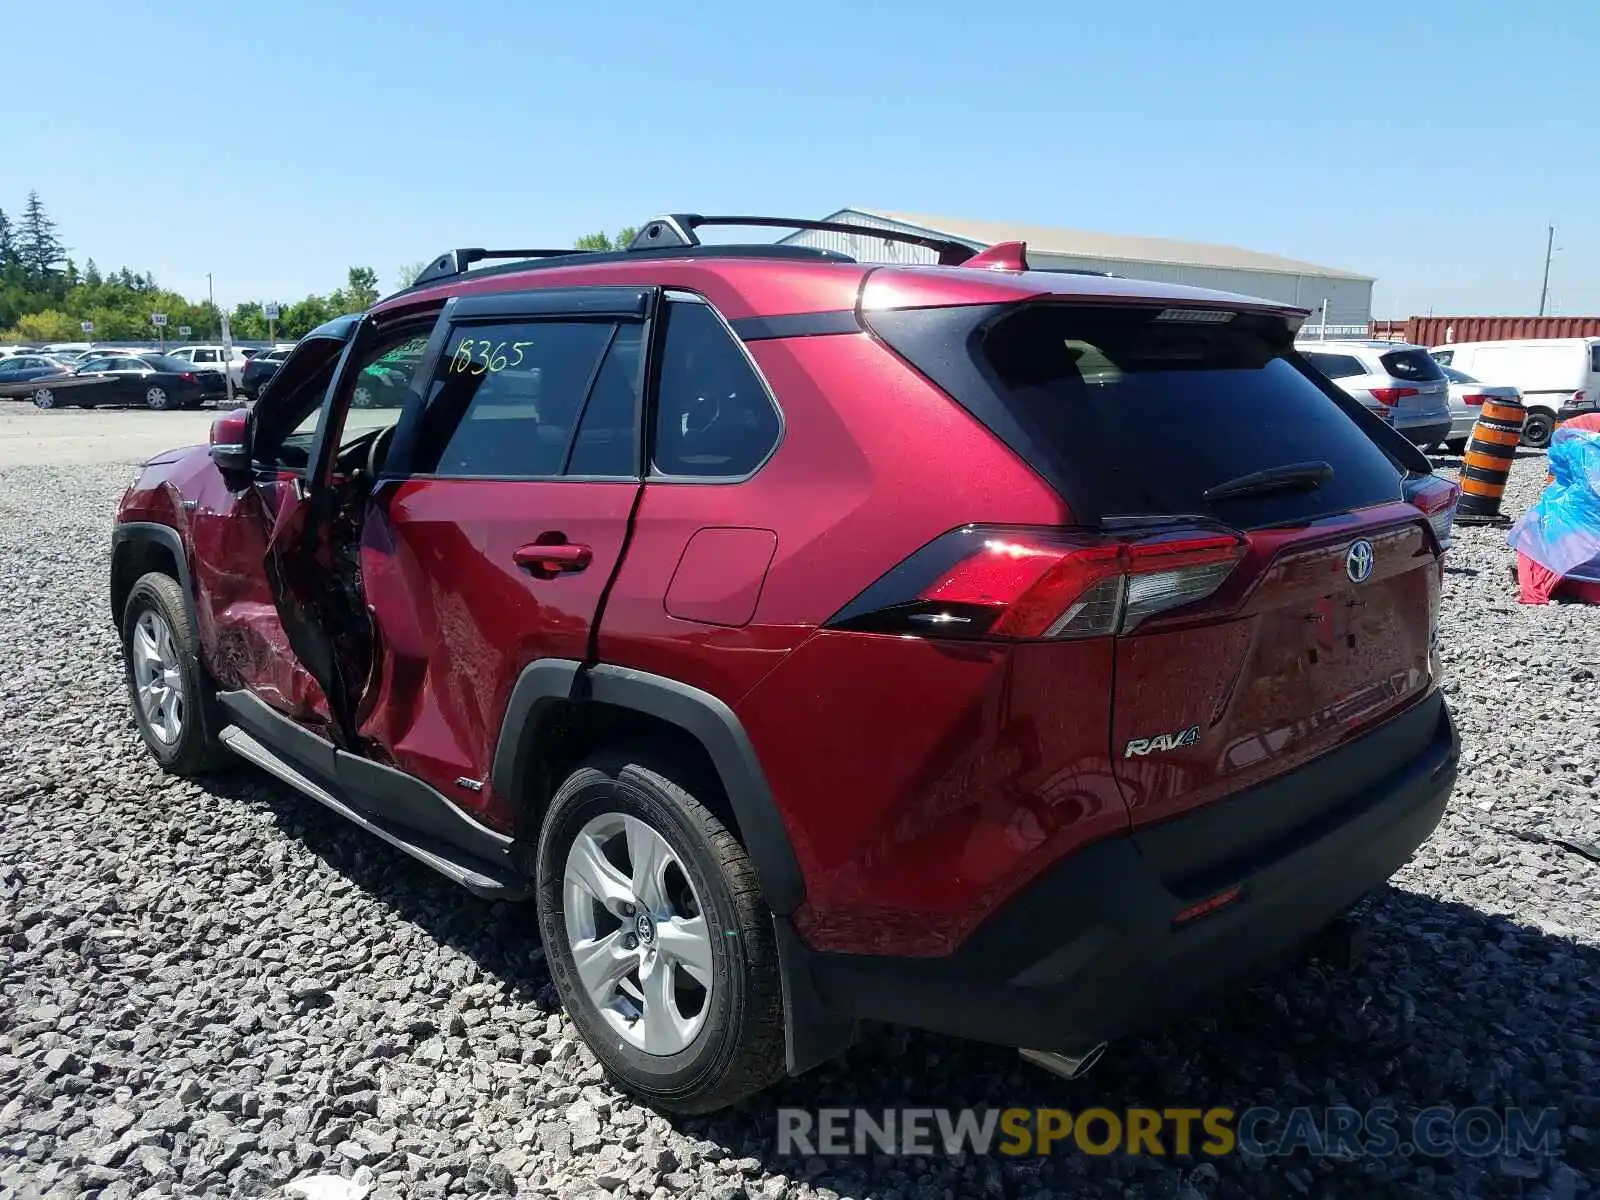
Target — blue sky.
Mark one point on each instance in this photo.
(1427, 144)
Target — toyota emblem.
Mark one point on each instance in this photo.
(1358, 562)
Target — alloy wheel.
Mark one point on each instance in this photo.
(638, 934)
(156, 398)
(158, 677)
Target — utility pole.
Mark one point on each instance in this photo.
(1549, 249)
(212, 300)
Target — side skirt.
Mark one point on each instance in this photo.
(402, 810)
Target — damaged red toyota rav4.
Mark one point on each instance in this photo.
(1010, 654)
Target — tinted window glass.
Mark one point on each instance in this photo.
(1411, 364)
(608, 436)
(1336, 366)
(205, 356)
(1137, 417)
(714, 418)
(286, 420)
(506, 397)
(1594, 357)
(1443, 357)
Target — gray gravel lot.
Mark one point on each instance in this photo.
(211, 991)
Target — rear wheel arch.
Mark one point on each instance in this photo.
(561, 712)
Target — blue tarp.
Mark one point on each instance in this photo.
(1561, 532)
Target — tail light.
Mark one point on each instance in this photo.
(1436, 498)
(189, 377)
(1004, 583)
(1475, 399)
(1393, 395)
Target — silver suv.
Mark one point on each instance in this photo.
(1392, 378)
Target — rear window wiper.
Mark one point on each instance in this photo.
(1291, 477)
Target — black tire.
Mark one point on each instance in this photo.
(1456, 445)
(195, 750)
(1538, 429)
(739, 1049)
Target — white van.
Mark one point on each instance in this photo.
(1550, 373)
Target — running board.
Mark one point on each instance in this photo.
(472, 873)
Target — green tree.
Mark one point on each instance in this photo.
(361, 289)
(603, 241)
(408, 273)
(249, 322)
(37, 244)
(8, 245)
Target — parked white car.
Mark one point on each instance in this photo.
(1551, 373)
(213, 358)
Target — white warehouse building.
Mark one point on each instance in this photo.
(1225, 268)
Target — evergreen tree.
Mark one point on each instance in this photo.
(8, 245)
(37, 244)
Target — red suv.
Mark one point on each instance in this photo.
(1013, 654)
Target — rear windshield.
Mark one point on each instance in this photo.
(1130, 416)
(1411, 364)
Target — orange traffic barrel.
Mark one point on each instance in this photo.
(1487, 463)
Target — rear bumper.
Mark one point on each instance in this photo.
(1425, 433)
(1569, 410)
(1090, 951)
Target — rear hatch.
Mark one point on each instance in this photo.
(1417, 385)
(1240, 534)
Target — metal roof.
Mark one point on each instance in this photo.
(1078, 244)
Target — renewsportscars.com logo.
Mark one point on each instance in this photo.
(1258, 1132)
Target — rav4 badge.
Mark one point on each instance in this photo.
(1162, 742)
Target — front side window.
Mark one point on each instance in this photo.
(1594, 357)
(714, 417)
(506, 398)
(287, 418)
(205, 356)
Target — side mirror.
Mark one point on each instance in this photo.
(230, 442)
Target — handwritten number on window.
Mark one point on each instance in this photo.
(481, 357)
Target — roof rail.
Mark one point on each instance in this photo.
(678, 230)
(454, 262)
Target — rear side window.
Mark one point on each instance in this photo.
(714, 418)
(507, 398)
(1594, 357)
(1335, 366)
(1411, 364)
(1442, 357)
(1130, 416)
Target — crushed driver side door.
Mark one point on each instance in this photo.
(239, 537)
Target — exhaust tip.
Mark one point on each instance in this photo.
(1064, 1066)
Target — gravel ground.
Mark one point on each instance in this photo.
(213, 991)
